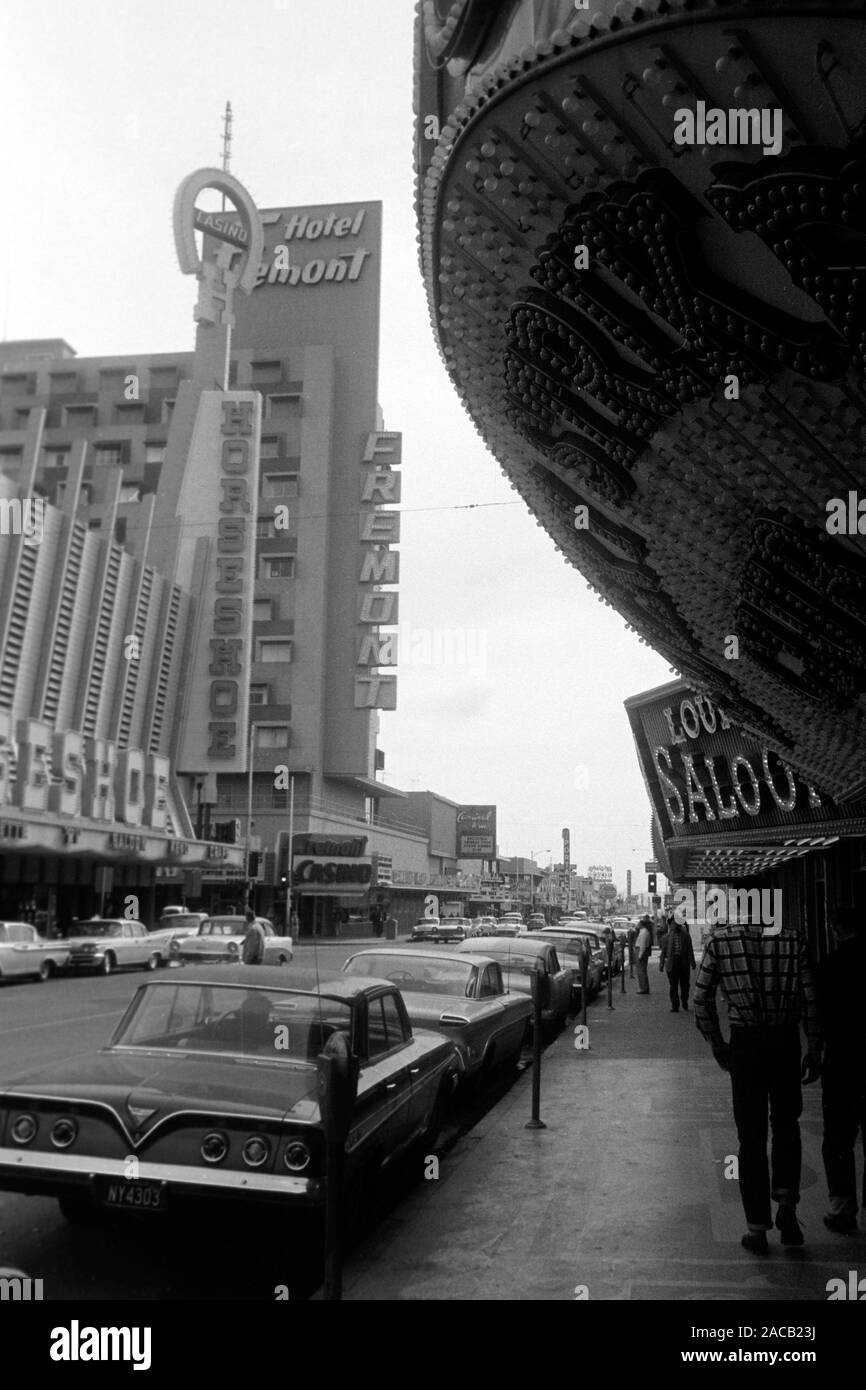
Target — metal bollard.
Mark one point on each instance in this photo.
(537, 1004)
(584, 976)
(337, 1086)
(610, 971)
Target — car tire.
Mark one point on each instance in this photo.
(154, 961)
(108, 964)
(46, 970)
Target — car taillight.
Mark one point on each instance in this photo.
(24, 1129)
(256, 1151)
(64, 1132)
(214, 1147)
(297, 1156)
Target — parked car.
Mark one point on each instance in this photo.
(485, 926)
(463, 997)
(572, 943)
(177, 926)
(537, 920)
(23, 952)
(219, 941)
(519, 958)
(583, 937)
(450, 929)
(108, 943)
(510, 924)
(425, 929)
(210, 1083)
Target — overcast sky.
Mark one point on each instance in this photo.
(106, 106)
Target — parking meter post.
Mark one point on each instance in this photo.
(584, 977)
(337, 1085)
(610, 972)
(536, 1122)
(621, 951)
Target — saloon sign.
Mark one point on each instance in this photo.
(708, 777)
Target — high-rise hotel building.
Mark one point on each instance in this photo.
(123, 752)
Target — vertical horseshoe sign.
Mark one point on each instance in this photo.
(237, 262)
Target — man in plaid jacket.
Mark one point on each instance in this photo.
(768, 986)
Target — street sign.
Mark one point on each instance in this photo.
(652, 866)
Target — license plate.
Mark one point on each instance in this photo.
(133, 1196)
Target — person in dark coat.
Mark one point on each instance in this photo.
(678, 958)
(253, 948)
(843, 1070)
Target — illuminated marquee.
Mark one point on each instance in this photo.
(377, 608)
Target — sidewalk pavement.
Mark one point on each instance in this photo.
(624, 1193)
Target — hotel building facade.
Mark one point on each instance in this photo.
(186, 673)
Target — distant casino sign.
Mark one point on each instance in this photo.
(476, 832)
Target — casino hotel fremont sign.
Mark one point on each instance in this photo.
(217, 499)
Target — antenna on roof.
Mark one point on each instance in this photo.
(227, 143)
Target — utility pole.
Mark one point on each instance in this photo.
(227, 143)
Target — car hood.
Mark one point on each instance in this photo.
(166, 1084)
(73, 941)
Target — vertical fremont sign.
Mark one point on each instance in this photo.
(220, 489)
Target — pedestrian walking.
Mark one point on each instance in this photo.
(253, 949)
(843, 1074)
(643, 950)
(678, 958)
(769, 989)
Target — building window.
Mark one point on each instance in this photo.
(263, 610)
(271, 736)
(277, 567)
(154, 453)
(266, 373)
(280, 485)
(163, 378)
(65, 382)
(273, 649)
(283, 407)
(129, 494)
(79, 414)
(265, 529)
(260, 694)
(110, 455)
(10, 462)
(271, 448)
(56, 458)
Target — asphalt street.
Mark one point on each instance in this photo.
(161, 1258)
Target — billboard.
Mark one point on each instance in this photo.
(566, 852)
(476, 832)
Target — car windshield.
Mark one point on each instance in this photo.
(517, 959)
(257, 1023)
(417, 974)
(179, 921)
(223, 926)
(95, 928)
